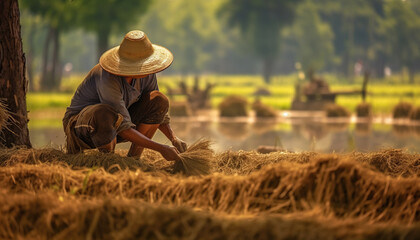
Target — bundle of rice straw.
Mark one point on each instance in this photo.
(197, 160)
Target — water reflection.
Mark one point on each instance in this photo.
(402, 130)
(262, 126)
(293, 135)
(416, 130)
(364, 128)
(235, 131)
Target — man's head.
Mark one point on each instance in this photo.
(136, 57)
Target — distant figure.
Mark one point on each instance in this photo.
(315, 86)
(387, 71)
(119, 100)
(358, 68)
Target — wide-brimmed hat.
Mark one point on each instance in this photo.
(136, 56)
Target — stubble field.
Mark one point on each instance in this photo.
(46, 194)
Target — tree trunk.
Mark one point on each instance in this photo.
(102, 40)
(30, 56)
(268, 69)
(51, 71)
(411, 73)
(13, 83)
(45, 64)
(379, 66)
(55, 74)
(350, 50)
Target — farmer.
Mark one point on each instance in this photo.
(119, 100)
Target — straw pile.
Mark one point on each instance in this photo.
(197, 160)
(334, 110)
(263, 111)
(392, 162)
(402, 110)
(415, 114)
(234, 106)
(249, 196)
(47, 216)
(110, 162)
(364, 110)
(338, 187)
(179, 109)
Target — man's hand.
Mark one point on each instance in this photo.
(179, 144)
(170, 153)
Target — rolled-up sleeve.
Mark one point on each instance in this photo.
(110, 92)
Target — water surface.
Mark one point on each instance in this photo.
(293, 134)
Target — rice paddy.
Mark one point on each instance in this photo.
(229, 194)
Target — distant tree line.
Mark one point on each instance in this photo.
(228, 36)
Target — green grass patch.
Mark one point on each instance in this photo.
(38, 101)
(383, 95)
(45, 123)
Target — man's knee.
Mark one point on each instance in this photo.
(159, 99)
(154, 107)
(96, 125)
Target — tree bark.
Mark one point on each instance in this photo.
(411, 73)
(268, 69)
(102, 35)
(13, 83)
(55, 75)
(51, 70)
(30, 57)
(45, 63)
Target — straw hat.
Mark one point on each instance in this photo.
(136, 56)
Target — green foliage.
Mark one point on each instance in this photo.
(314, 38)
(355, 25)
(402, 25)
(105, 16)
(260, 23)
(238, 36)
(192, 34)
(57, 13)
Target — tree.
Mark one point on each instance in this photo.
(403, 31)
(104, 16)
(314, 38)
(260, 23)
(59, 16)
(193, 35)
(355, 24)
(13, 83)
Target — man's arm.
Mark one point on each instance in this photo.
(134, 136)
(151, 85)
(166, 129)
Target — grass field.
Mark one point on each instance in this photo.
(382, 96)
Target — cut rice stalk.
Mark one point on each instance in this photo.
(197, 160)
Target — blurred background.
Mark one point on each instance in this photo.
(263, 50)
